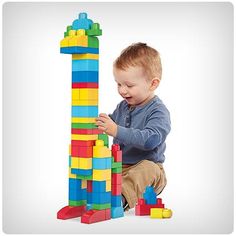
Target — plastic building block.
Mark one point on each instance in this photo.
(84, 137)
(149, 195)
(81, 151)
(117, 212)
(84, 111)
(85, 65)
(95, 30)
(85, 85)
(69, 212)
(160, 213)
(93, 216)
(82, 22)
(84, 76)
(85, 56)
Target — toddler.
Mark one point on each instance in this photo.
(140, 122)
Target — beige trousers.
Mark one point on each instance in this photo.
(136, 177)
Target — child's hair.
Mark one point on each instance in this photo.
(140, 54)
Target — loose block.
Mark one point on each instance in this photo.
(160, 213)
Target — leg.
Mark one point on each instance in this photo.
(136, 177)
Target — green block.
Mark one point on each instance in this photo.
(77, 203)
(93, 42)
(116, 170)
(116, 165)
(83, 126)
(87, 177)
(105, 139)
(101, 206)
(95, 30)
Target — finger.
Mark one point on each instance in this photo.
(103, 115)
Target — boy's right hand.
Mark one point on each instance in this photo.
(106, 124)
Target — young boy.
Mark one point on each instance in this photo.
(140, 122)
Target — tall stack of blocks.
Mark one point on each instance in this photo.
(151, 205)
(94, 169)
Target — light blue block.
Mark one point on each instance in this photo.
(117, 212)
(85, 65)
(82, 22)
(84, 111)
(102, 163)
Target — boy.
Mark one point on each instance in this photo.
(140, 123)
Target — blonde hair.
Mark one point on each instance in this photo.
(140, 54)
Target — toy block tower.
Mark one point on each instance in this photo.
(94, 169)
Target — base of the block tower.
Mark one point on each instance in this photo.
(69, 212)
(93, 216)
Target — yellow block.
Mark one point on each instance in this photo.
(102, 152)
(84, 183)
(108, 185)
(84, 102)
(84, 94)
(72, 176)
(82, 120)
(85, 137)
(160, 213)
(64, 42)
(77, 38)
(102, 174)
(74, 162)
(85, 56)
(156, 213)
(69, 149)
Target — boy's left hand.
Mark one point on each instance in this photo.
(106, 124)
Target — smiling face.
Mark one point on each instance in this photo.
(134, 85)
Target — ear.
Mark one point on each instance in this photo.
(155, 83)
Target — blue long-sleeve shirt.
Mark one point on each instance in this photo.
(142, 130)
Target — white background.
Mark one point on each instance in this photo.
(195, 41)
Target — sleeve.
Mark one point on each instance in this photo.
(155, 132)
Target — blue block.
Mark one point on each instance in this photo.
(84, 77)
(89, 198)
(88, 207)
(81, 172)
(84, 111)
(117, 212)
(101, 198)
(149, 195)
(78, 50)
(82, 22)
(74, 184)
(102, 163)
(77, 194)
(99, 186)
(85, 65)
(116, 201)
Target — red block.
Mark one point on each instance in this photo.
(90, 143)
(116, 189)
(142, 209)
(81, 151)
(86, 131)
(116, 178)
(89, 186)
(116, 152)
(85, 85)
(69, 212)
(93, 216)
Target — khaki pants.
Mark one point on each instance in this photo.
(135, 178)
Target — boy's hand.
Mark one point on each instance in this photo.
(106, 124)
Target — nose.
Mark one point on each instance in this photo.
(122, 90)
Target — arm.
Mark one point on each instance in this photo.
(156, 129)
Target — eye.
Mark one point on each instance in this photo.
(130, 86)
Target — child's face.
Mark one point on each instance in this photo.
(134, 85)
